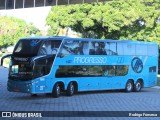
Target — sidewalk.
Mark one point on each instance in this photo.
(156, 87)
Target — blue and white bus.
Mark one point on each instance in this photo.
(58, 64)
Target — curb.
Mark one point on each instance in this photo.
(156, 87)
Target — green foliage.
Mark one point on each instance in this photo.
(11, 29)
(117, 19)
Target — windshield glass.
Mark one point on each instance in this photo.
(27, 48)
(27, 71)
(20, 71)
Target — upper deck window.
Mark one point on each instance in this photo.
(141, 49)
(97, 48)
(27, 47)
(49, 47)
(71, 47)
(152, 50)
(111, 48)
(120, 49)
(129, 49)
(102, 48)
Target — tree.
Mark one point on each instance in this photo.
(11, 29)
(117, 19)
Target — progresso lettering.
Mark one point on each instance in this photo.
(99, 60)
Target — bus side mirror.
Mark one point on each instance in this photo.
(3, 50)
(2, 59)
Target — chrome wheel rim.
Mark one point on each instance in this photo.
(129, 86)
(72, 88)
(58, 90)
(138, 86)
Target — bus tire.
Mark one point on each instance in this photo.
(56, 90)
(70, 89)
(138, 86)
(129, 86)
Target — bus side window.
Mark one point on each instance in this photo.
(129, 49)
(152, 50)
(97, 48)
(46, 48)
(84, 47)
(74, 48)
(120, 48)
(115, 70)
(110, 48)
(55, 46)
(121, 70)
(91, 48)
(142, 50)
(81, 48)
(68, 48)
(109, 70)
(39, 69)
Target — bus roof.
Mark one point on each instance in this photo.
(85, 39)
(110, 40)
(45, 37)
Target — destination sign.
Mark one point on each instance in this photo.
(20, 59)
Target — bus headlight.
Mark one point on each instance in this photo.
(33, 83)
(30, 84)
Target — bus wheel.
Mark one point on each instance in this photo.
(56, 90)
(70, 89)
(129, 86)
(138, 86)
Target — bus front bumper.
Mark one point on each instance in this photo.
(18, 86)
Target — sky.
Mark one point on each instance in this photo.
(37, 15)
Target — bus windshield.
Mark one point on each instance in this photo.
(27, 48)
(33, 58)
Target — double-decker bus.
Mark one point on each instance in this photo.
(56, 64)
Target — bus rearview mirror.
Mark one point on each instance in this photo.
(2, 59)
